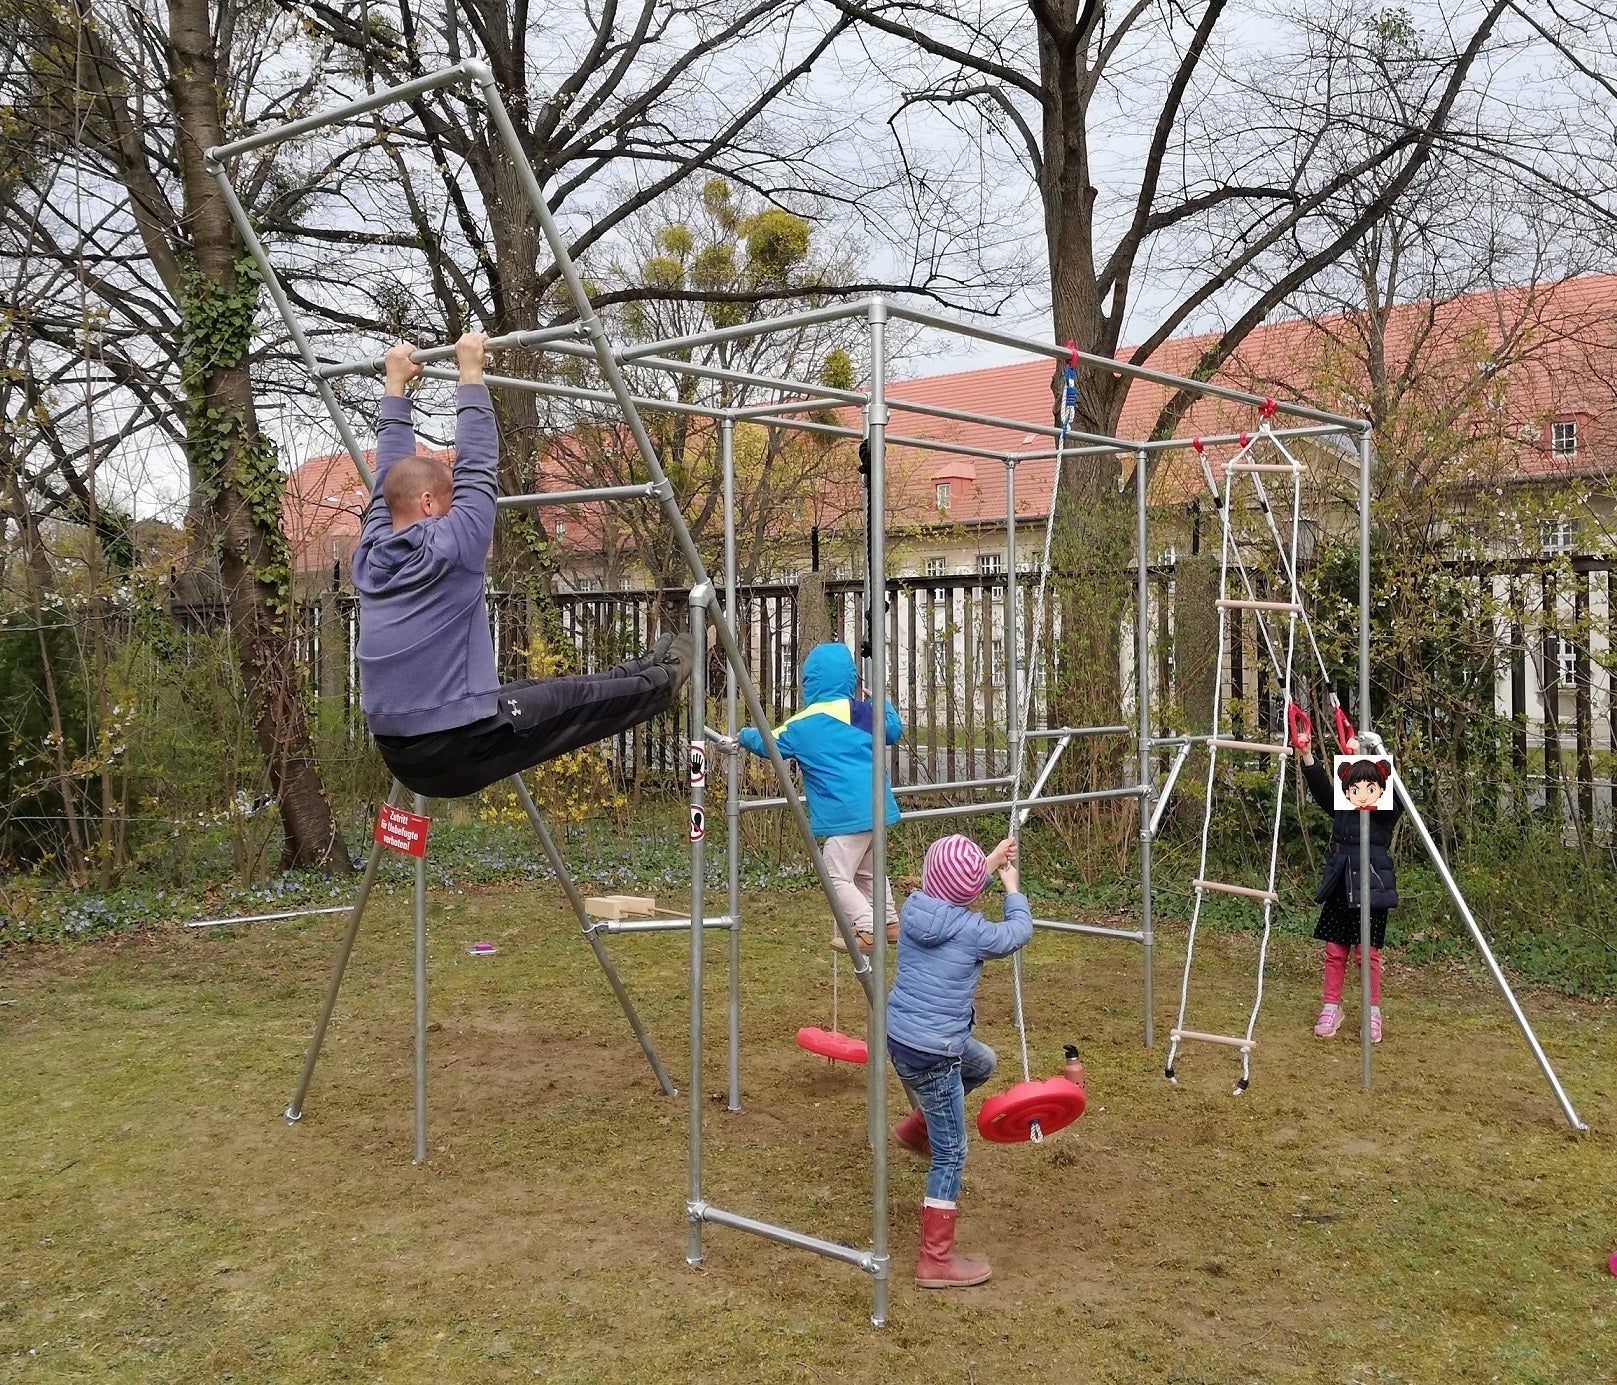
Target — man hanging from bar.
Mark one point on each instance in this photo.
(444, 723)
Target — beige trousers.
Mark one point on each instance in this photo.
(847, 860)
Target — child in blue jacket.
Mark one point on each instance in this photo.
(942, 945)
(831, 739)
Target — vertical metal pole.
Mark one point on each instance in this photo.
(876, 586)
(294, 1112)
(1364, 725)
(1142, 693)
(420, 997)
(699, 598)
(732, 780)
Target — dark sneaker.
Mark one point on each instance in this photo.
(659, 651)
(679, 659)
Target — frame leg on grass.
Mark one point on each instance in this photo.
(294, 1112)
(577, 901)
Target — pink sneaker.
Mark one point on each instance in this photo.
(1375, 1024)
(1329, 1021)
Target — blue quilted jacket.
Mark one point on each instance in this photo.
(832, 741)
(941, 951)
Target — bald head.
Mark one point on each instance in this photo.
(416, 487)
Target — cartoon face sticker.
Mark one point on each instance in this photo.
(1363, 783)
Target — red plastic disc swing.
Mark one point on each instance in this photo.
(828, 1043)
(1050, 1104)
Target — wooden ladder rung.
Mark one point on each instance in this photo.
(1262, 747)
(1245, 1045)
(1261, 466)
(620, 906)
(1225, 603)
(1245, 891)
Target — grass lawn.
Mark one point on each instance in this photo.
(161, 1223)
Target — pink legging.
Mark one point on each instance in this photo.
(1336, 961)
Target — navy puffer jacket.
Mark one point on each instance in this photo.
(1342, 865)
(941, 951)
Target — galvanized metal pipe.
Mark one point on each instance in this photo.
(420, 997)
(698, 1211)
(1142, 689)
(732, 766)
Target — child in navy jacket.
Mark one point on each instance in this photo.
(942, 944)
(832, 739)
(1339, 893)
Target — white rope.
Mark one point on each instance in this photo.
(1025, 700)
(1284, 672)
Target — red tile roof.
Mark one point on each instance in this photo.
(1564, 366)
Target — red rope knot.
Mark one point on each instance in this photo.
(1244, 439)
(1266, 410)
(1199, 445)
(1072, 353)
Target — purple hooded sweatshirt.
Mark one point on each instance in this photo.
(426, 658)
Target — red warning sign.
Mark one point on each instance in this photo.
(402, 831)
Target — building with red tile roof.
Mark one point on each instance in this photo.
(1534, 370)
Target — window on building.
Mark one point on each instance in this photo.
(626, 584)
(940, 661)
(843, 572)
(990, 564)
(587, 584)
(1558, 535)
(937, 567)
(788, 577)
(942, 497)
(1564, 437)
(1566, 663)
(996, 662)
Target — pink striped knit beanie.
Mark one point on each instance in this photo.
(955, 869)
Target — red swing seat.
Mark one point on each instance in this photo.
(829, 1043)
(1050, 1103)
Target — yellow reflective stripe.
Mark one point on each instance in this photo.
(838, 710)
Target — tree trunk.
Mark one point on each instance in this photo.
(228, 452)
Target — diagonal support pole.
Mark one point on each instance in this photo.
(294, 1110)
(574, 898)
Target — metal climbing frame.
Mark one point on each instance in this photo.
(586, 338)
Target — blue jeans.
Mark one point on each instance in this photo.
(939, 1088)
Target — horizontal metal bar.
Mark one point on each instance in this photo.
(1297, 433)
(786, 322)
(787, 406)
(1105, 441)
(554, 391)
(1108, 363)
(405, 91)
(646, 491)
(672, 925)
(1161, 742)
(899, 791)
(266, 918)
(1132, 935)
(1026, 805)
(1050, 733)
(1245, 1045)
(832, 1250)
(430, 355)
(953, 786)
(840, 430)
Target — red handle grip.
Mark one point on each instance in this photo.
(1298, 724)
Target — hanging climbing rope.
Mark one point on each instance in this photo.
(1030, 1110)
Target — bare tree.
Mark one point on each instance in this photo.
(122, 102)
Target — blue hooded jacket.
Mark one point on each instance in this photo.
(831, 741)
(941, 951)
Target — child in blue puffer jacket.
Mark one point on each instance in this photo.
(942, 945)
(832, 739)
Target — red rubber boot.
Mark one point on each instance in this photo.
(911, 1133)
(938, 1267)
